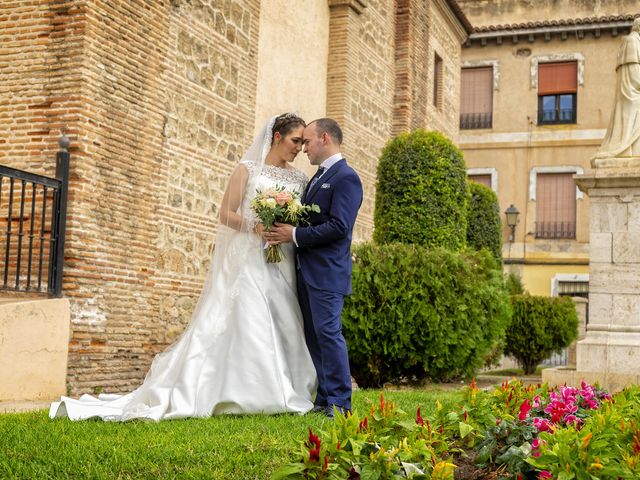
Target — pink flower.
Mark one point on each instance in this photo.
(536, 401)
(282, 198)
(544, 474)
(570, 419)
(535, 445)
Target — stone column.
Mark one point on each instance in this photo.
(581, 310)
(610, 351)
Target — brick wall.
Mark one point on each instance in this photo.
(157, 99)
(360, 88)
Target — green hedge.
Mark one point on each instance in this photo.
(422, 313)
(421, 193)
(539, 326)
(484, 229)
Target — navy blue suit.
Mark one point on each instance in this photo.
(324, 277)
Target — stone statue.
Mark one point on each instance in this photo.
(623, 134)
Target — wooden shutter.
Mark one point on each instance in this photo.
(555, 78)
(483, 179)
(476, 90)
(555, 205)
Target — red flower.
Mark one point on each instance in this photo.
(313, 444)
(363, 425)
(353, 475)
(419, 419)
(636, 445)
(524, 410)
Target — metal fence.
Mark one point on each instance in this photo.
(33, 212)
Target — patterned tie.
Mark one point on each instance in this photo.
(315, 178)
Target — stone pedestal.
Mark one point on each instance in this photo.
(610, 350)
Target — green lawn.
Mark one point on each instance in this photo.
(230, 447)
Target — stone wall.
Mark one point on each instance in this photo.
(446, 36)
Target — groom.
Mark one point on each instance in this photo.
(324, 260)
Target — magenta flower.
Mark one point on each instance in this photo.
(543, 425)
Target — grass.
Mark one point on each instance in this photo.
(228, 447)
(516, 372)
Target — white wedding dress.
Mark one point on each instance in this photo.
(244, 350)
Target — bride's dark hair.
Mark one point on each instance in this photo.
(285, 123)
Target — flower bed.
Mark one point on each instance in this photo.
(514, 432)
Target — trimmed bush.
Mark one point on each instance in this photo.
(540, 326)
(422, 194)
(418, 313)
(484, 229)
(513, 284)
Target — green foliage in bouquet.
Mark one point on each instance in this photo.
(484, 229)
(419, 313)
(539, 326)
(421, 193)
(280, 205)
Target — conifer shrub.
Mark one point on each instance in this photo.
(539, 327)
(419, 313)
(484, 228)
(421, 192)
(513, 283)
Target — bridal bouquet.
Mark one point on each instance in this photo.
(283, 206)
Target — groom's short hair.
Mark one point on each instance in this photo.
(330, 127)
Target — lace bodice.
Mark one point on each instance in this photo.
(267, 177)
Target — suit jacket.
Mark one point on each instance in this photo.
(324, 244)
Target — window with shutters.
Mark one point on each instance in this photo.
(484, 179)
(557, 93)
(438, 74)
(476, 98)
(555, 205)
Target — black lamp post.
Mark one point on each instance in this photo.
(512, 220)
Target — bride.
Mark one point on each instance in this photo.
(244, 350)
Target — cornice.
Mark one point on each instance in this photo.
(546, 31)
(356, 5)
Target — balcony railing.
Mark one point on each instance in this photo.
(470, 121)
(555, 229)
(557, 116)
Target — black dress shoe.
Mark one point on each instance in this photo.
(319, 408)
(329, 410)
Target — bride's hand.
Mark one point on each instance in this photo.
(260, 230)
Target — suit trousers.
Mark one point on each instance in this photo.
(322, 312)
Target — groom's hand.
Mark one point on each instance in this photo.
(280, 233)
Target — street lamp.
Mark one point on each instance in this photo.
(512, 220)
